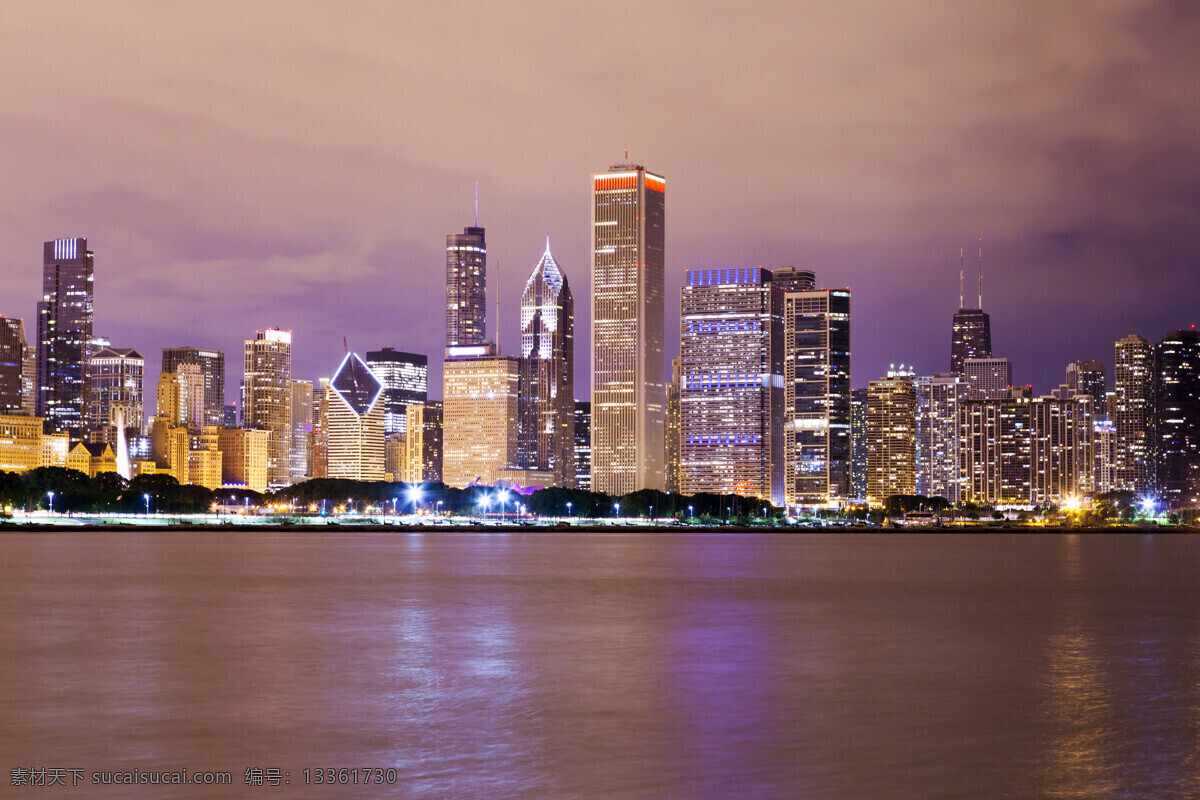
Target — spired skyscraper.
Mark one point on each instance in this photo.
(64, 334)
(628, 304)
(547, 402)
(466, 286)
(972, 335)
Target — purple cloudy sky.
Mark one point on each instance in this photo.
(243, 165)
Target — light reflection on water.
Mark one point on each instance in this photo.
(614, 665)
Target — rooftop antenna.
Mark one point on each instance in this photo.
(980, 273)
(626, 155)
(345, 345)
(476, 204)
(960, 277)
(496, 324)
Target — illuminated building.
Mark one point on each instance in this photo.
(1177, 428)
(972, 338)
(405, 379)
(267, 397)
(547, 387)
(423, 443)
(628, 296)
(1134, 414)
(939, 398)
(114, 384)
(1061, 449)
(990, 378)
(244, 456)
(55, 447)
(891, 437)
(466, 287)
(791, 279)
(1104, 446)
(583, 445)
(20, 442)
(319, 440)
(211, 366)
(13, 349)
(229, 416)
(673, 430)
(396, 466)
(302, 428)
(816, 378)
(480, 412)
(994, 451)
(858, 443)
(205, 462)
(354, 415)
(64, 334)
(1089, 377)
(731, 383)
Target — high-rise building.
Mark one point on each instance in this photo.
(480, 416)
(267, 397)
(64, 334)
(13, 347)
(244, 456)
(628, 311)
(1134, 414)
(354, 414)
(466, 287)
(972, 338)
(1062, 459)
(302, 428)
(1089, 377)
(816, 379)
(939, 398)
(114, 389)
(995, 450)
(858, 439)
(791, 279)
(423, 442)
(547, 401)
(229, 416)
(405, 378)
(1177, 408)
(583, 445)
(673, 430)
(731, 383)
(990, 378)
(1104, 447)
(891, 437)
(210, 364)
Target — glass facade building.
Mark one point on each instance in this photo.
(583, 445)
(13, 347)
(405, 378)
(65, 316)
(211, 364)
(971, 338)
(1177, 408)
(466, 287)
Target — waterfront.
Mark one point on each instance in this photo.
(626, 665)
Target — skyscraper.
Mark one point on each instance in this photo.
(995, 449)
(628, 296)
(466, 287)
(858, 438)
(583, 445)
(816, 379)
(972, 338)
(1177, 408)
(891, 437)
(211, 366)
(731, 383)
(13, 347)
(299, 460)
(480, 413)
(939, 398)
(673, 429)
(423, 441)
(1134, 413)
(547, 401)
(1089, 377)
(64, 334)
(405, 378)
(989, 378)
(354, 414)
(267, 397)
(1061, 449)
(114, 383)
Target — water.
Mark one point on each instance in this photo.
(607, 665)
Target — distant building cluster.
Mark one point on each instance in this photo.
(759, 402)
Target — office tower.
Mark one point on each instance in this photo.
(466, 287)
(480, 410)
(64, 334)
(628, 296)
(995, 449)
(816, 379)
(547, 393)
(211, 367)
(1104, 448)
(1134, 413)
(205, 467)
(229, 416)
(319, 444)
(1061, 449)
(114, 388)
(1089, 377)
(939, 398)
(20, 442)
(29, 393)
(1177, 409)
(405, 378)
(267, 397)
(583, 445)
(990, 378)
(302, 427)
(972, 338)
(673, 430)
(395, 460)
(244, 457)
(423, 443)
(858, 439)
(354, 414)
(791, 279)
(731, 383)
(13, 347)
(891, 437)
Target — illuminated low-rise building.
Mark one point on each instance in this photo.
(244, 458)
(20, 442)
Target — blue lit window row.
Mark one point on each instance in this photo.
(724, 440)
(724, 327)
(723, 380)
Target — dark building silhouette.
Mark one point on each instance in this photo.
(1177, 412)
(64, 334)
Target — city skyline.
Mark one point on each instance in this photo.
(910, 137)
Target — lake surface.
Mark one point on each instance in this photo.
(622, 665)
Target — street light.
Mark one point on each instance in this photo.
(146, 497)
(503, 499)
(616, 510)
(51, 495)
(568, 509)
(691, 512)
(414, 497)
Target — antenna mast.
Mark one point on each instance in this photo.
(960, 277)
(496, 325)
(980, 273)
(476, 204)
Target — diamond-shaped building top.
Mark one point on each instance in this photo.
(356, 384)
